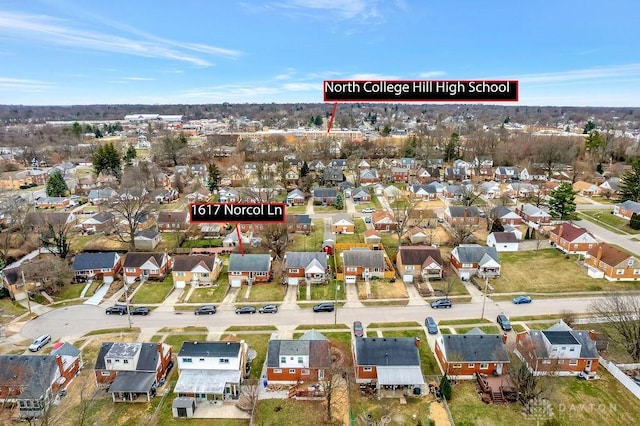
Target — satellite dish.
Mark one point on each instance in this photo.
(251, 354)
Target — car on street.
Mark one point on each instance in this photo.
(368, 210)
(246, 310)
(205, 310)
(39, 342)
(324, 307)
(358, 330)
(431, 325)
(116, 310)
(504, 322)
(441, 303)
(518, 300)
(268, 309)
(141, 310)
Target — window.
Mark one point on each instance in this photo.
(283, 360)
(187, 360)
(367, 369)
(180, 274)
(224, 361)
(306, 371)
(105, 270)
(105, 373)
(546, 361)
(572, 349)
(630, 262)
(573, 362)
(131, 269)
(293, 271)
(201, 359)
(457, 365)
(236, 273)
(619, 271)
(108, 361)
(299, 360)
(292, 371)
(117, 360)
(352, 269)
(484, 366)
(471, 365)
(125, 361)
(561, 361)
(636, 272)
(277, 370)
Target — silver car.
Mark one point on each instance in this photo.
(39, 343)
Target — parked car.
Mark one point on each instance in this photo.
(324, 307)
(116, 309)
(268, 309)
(503, 321)
(367, 219)
(205, 310)
(39, 343)
(358, 330)
(368, 210)
(246, 310)
(431, 325)
(441, 303)
(141, 310)
(521, 299)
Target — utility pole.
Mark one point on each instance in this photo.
(24, 284)
(126, 301)
(335, 304)
(484, 295)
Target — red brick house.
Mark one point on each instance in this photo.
(419, 261)
(472, 353)
(606, 261)
(573, 239)
(146, 265)
(400, 174)
(132, 371)
(558, 350)
(369, 176)
(468, 260)
(308, 267)
(387, 362)
(249, 269)
(462, 215)
(362, 263)
(383, 221)
(100, 266)
(307, 359)
(33, 381)
(533, 216)
(173, 221)
(506, 216)
(53, 202)
(627, 209)
(299, 223)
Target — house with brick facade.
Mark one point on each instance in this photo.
(306, 267)
(383, 221)
(99, 222)
(400, 174)
(249, 269)
(558, 350)
(196, 270)
(533, 216)
(463, 355)
(462, 215)
(505, 215)
(423, 262)
(299, 223)
(173, 221)
(146, 265)
(306, 359)
(571, 239)
(363, 264)
(626, 209)
(606, 261)
(100, 266)
(468, 260)
(342, 223)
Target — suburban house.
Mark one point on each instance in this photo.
(468, 260)
(626, 209)
(197, 270)
(360, 195)
(362, 263)
(161, 196)
(585, 189)
(369, 176)
(146, 265)
(41, 220)
(304, 360)
(316, 166)
(472, 353)
(147, 239)
(53, 202)
(99, 222)
(409, 162)
(506, 216)
(211, 371)
(533, 216)
(131, 372)
(371, 236)
(332, 175)
(308, 267)
(424, 192)
(503, 241)
(363, 164)
(301, 223)
(384, 362)
(504, 173)
(522, 189)
(249, 269)
(295, 197)
(417, 235)
(609, 187)
(491, 189)
(383, 221)
(339, 163)
(34, 381)
(558, 350)
(104, 195)
(572, 239)
(400, 174)
(424, 176)
(326, 196)
(99, 266)
(342, 223)
(462, 215)
(228, 195)
(423, 262)
(606, 261)
(173, 221)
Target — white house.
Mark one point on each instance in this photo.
(503, 241)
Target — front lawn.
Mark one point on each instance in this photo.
(10, 310)
(610, 221)
(311, 242)
(69, 291)
(328, 291)
(267, 292)
(208, 294)
(488, 329)
(153, 292)
(548, 271)
(297, 209)
(383, 289)
(176, 340)
(257, 341)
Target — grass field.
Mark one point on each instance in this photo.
(153, 292)
(615, 351)
(553, 273)
(69, 291)
(208, 294)
(10, 310)
(311, 242)
(488, 329)
(383, 289)
(611, 221)
(267, 292)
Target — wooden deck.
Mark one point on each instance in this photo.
(497, 389)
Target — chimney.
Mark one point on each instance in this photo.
(417, 341)
(592, 335)
(560, 230)
(504, 337)
(599, 255)
(60, 364)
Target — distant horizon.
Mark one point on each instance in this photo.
(74, 53)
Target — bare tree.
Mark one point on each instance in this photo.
(51, 272)
(622, 311)
(401, 212)
(56, 237)
(276, 239)
(528, 385)
(552, 152)
(130, 212)
(462, 234)
(335, 388)
(249, 396)
(13, 232)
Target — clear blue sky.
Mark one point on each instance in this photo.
(564, 52)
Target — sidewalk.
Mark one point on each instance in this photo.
(172, 299)
(414, 296)
(353, 301)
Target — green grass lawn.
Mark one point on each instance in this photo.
(458, 288)
(311, 242)
(326, 209)
(539, 325)
(203, 243)
(10, 310)
(518, 328)
(259, 342)
(390, 242)
(488, 329)
(297, 209)
(427, 358)
(289, 412)
(69, 291)
(394, 324)
(615, 351)
(267, 292)
(328, 291)
(153, 292)
(176, 340)
(208, 294)
(321, 326)
(612, 222)
(553, 273)
(465, 321)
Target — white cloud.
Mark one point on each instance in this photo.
(431, 74)
(302, 87)
(23, 85)
(373, 77)
(595, 73)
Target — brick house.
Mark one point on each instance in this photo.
(533, 216)
(173, 221)
(558, 350)
(400, 174)
(468, 260)
(132, 371)
(462, 215)
(308, 267)
(627, 209)
(99, 222)
(146, 265)
(369, 176)
(472, 353)
(360, 195)
(506, 216)
(572, 239)
(326, 196)
(197, 270)
(299, 223)
(362, 263)
(606, 261)
(249, 269)
(342, 223)
(53, 202)
(296, 197)
(419, 261)
(101, 266)
(383, 221)
(304, 360)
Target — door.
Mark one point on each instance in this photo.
(499, 369)
(182, 412)
(320, 374)
(587, 368)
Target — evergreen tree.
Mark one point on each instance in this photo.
(599, 168)
(452, 149)
(629, 186)
(130, 154)
(445, 387)
(304, 170)
(634, 223)
(588, 127)
(318, 120)
(56, 186)
(496, 226)
(339, 202)
(214, 177)
(562, 204)
(107, 160)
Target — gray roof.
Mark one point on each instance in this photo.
(147, 360)
(364, 258)
(148, 233)
(631, 205)
(387, 351)
(296, 193)
(89, 261)
(249, 262)
(210, 349)
(102, 217)
(417, 255)
(133, 381)
(560, 337)
(313, 335)
(66, 349)
(341, 216)
(459, 211)
(332, 173)
(325, 192)
(206, 381)
(186, 262)
(531, 210)
(475, 348)
(299, 218)
(301, 259)
(319, 351)
(501, 211)
(505, 237)
(33, 373)
(137, 259)
(473, 253)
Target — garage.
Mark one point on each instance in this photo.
(350, 279)
(180, 284)
(293, 280)
(235, 282)
(407, 278)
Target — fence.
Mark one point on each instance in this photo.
(620, 376)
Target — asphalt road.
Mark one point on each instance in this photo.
(75, 321)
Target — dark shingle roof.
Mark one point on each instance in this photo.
(365, 258)
(101, 260)
(459, 211)
(186, 262)
(505, 237)
(417, 255)
(32, 373)
(210, 349)
(475, 347)
(473, 253)
(249, 262)
(387, 351)
(560, 337)
(137, 259)
(301, 259)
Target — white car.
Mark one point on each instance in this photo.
(368, 210)
(39, 343)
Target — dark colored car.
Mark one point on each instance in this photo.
(518, 300)
(246, 310)
(358, 330)
(116, 309)
(504, 322)
(324, 307)
(205, 310)
(441, 303)
(141, 310)
(268, 309)
(431, 325)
